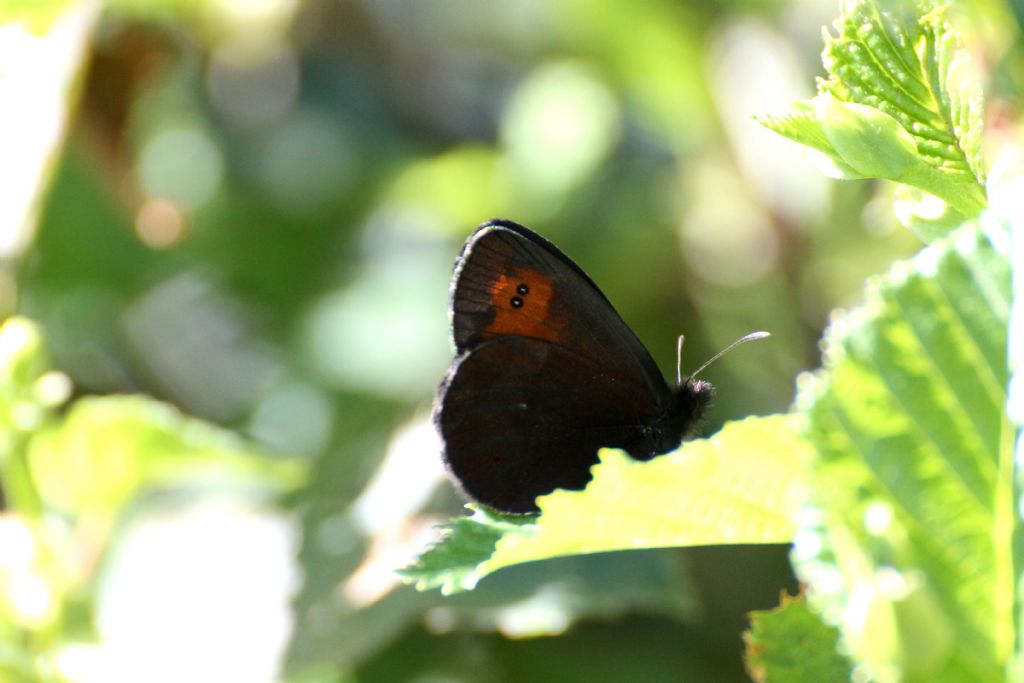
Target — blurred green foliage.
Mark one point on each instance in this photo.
(254, 218)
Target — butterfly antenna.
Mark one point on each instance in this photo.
(679, 360)
(742, 340)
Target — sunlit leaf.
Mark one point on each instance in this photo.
(900, 103)
(803, 126)
(1011, 213)
(908, 543)
(928, 216)
(743, 485)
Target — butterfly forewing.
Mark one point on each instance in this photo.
(511, 282)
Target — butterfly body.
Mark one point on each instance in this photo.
(546, 373)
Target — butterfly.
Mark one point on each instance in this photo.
(545, 374)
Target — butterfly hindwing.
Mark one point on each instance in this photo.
(522, 416)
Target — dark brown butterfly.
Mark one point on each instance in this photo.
(546, 373)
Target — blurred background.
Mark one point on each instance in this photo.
(250, 211)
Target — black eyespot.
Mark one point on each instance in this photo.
(523, 288)
(516, 302)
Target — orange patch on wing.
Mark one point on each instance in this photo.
(498, 288)
(532, 318)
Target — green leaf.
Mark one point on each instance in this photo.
(928, 216)
(742, 485)
(899, 104)
(1010, 212)
(907, 542)
(466, 542)
(791, 644)
(803, 126)
(872, 143)
(108, 450)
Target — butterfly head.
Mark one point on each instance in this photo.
(693, 396)
(692, 400)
